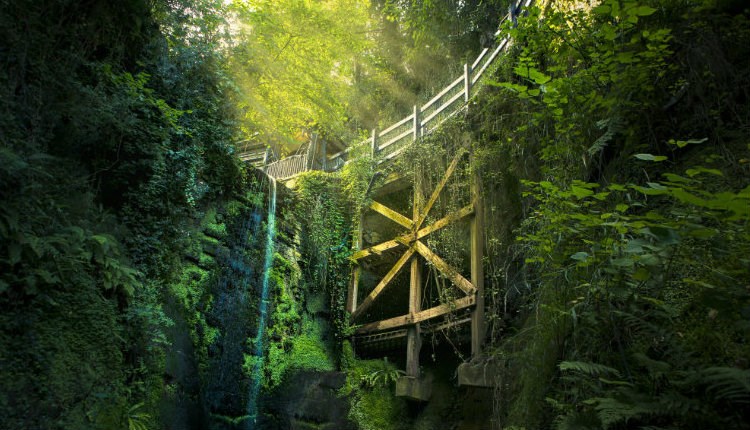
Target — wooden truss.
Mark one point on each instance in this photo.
(415, 248)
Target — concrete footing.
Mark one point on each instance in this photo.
(479, 375)
(419, 389)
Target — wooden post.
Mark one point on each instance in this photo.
(414, 338)
(477, 271)
(267, 156)
(310, 161)
(467, 82)
(374, 143)
(417, 123)
(325, 155)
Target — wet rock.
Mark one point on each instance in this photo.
(308, 400)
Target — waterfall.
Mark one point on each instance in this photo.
(256, 377)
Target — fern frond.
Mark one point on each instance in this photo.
(728, 383)
(612, 411)
(591, 369)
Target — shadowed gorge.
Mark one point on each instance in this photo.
(374, 214)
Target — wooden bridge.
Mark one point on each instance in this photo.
(386, 314)
(390, 142)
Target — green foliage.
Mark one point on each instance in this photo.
(305, 350)
(382, 378)
(373, 404)
(112, 136)
(138, 420)
(295, 62)
(326, 241)
(622, 291)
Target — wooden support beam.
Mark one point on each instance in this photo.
(445, 268)
(406, 239)
(379, 248)
(424, 315)
(351, 297)
(436, 193)
(391, 214)
(477, 270)
(414, 335)
(383, 283)
(437, 225)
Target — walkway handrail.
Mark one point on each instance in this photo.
(287, 167)
(451, 100)
(389, 143)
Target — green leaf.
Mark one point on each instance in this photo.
(698, 170)
(650, 157)
(684, 143)
(602, 10)
(642, 11)
(685, 197)
(641, 274)
(580, 256)
(621, 207)
(622, 262)
(703, 233)
(613, 382)
(509, 85)
(532, 74)
(593, 369)
(580, 192)
(671, 177)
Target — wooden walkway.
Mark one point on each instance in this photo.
(393, 140)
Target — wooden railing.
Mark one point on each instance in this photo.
(392, 141)
(287, 167)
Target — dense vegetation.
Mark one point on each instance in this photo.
(116, 133)
(625, 128)
(612, 147)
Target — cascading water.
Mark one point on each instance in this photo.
(255, 383)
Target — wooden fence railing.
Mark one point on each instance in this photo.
(392, 141)
(288, 167)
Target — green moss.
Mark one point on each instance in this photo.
(208, 240)
(206, 261)
(190, 286)
(378, 409)
(308, 349)
(233, 208)
(303, 351)
(371, 408)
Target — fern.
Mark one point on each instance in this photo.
(231, 420)
(727, 383)
(612, 411)
(382, 378)
(613, 126)
(591, 369)
(138, 420)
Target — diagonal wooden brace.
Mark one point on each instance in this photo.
(445, 268)
(383, 283)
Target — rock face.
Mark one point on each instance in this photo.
(307, 400)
